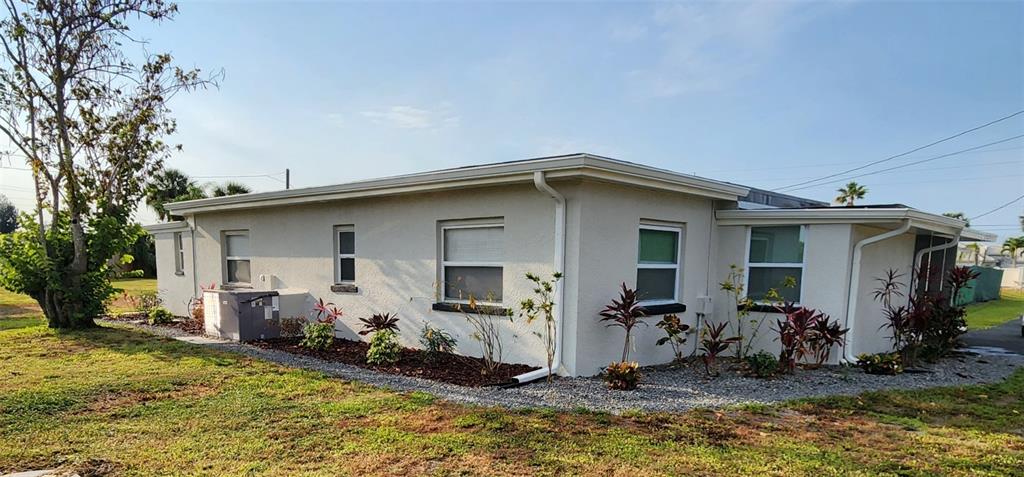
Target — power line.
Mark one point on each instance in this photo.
(930, 169)
(922, 161)
(1001, 207)
(1004, 118)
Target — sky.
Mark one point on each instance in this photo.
(764, 94)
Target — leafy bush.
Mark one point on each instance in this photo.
(881, 363)
(379, 322)
(543, 307)
(712, 343)
(292, 326)
(144, 303)
(134, 274)
(485, 321)
(159, 316)
(317, 336)
(436, 341)
(762, 364)
(676, 332)
(623, 375)
(624, 313)
(805, 332)
(384, 348)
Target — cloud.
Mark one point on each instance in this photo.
(627, 32)
(711, 46)
(408, 117)
(336, 119)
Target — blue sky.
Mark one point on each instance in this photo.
(764, 94)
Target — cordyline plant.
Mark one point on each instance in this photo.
(713, 343)
(326, 312)
(805, 332)
(90, 124)
(379, 322)
(543, 307)
(624, 313)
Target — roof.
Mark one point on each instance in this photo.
(501, 173)
(869, 214)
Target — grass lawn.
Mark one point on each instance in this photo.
(993, 313)
(14, 304)
(117, 400)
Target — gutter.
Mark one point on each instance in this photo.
(851, 297)
(920, 255)
(542, 185)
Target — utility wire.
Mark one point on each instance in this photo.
(1004, 118)
(922, 161)
(1001, 207)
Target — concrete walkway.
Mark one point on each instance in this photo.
(1003, 337)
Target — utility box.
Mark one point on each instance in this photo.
(242, 315)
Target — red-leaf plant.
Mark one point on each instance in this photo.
(326, 312)
(624, 313)
(713, 344)
(379, 322)
(805, 332)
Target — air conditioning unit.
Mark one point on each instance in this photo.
(242, 315)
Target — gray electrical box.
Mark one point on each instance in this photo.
(242, 315)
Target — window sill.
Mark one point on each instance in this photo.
(761, 308)
(236, 286)
(344, 288)
(464, 308)
(663, 309)
(180, 274)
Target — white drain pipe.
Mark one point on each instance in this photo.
(542, 185)
(851, 299)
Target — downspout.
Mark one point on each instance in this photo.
(851, 297)
(192, 243)
(542, 185)
(920, 255)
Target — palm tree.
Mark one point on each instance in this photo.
(1014, 246)
(230, 188)
(975, 250)
(170, 185)
(851, 192)
(959, 216)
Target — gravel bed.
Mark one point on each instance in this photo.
(662, 388)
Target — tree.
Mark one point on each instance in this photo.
(850, 192)
(975, 250)
(8, 216)
(90, 121)
(1014, 246)
(959, 216)
(170, 185)
(230, 188)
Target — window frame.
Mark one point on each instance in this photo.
(229, 258)
(678, 229)
(748, 264)
(443, 264)
(179, 253)
(338, 256)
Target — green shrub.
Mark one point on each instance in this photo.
(436, 341)
(145, 302)
(384, 348)
(881, 363)
(762, 364)
(317, 336)
(622, 375)
(160, 316)
(134, 274)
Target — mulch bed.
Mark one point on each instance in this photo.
(193, 327)
(449, 368)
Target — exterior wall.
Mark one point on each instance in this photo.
(896, 253)
(609, 221)
(826, 275)
(174, 290)
(397, 248)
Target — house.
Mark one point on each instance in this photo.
(420, 244)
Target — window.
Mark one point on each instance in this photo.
(236, 256)
(345, 254)
(471, 263)
(657, 269)
(775, 255)
(179, 255)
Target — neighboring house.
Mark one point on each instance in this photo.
(420, 244)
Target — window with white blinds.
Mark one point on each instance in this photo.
(472, 262)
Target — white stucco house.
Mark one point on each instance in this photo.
(417, 244)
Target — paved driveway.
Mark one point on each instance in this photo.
(1006, 336)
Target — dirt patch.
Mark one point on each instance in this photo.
(449, 368)
(114, 401)
(17, 310)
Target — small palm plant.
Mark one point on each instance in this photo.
(624, 313)
(850, 192)
(1013, 246)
